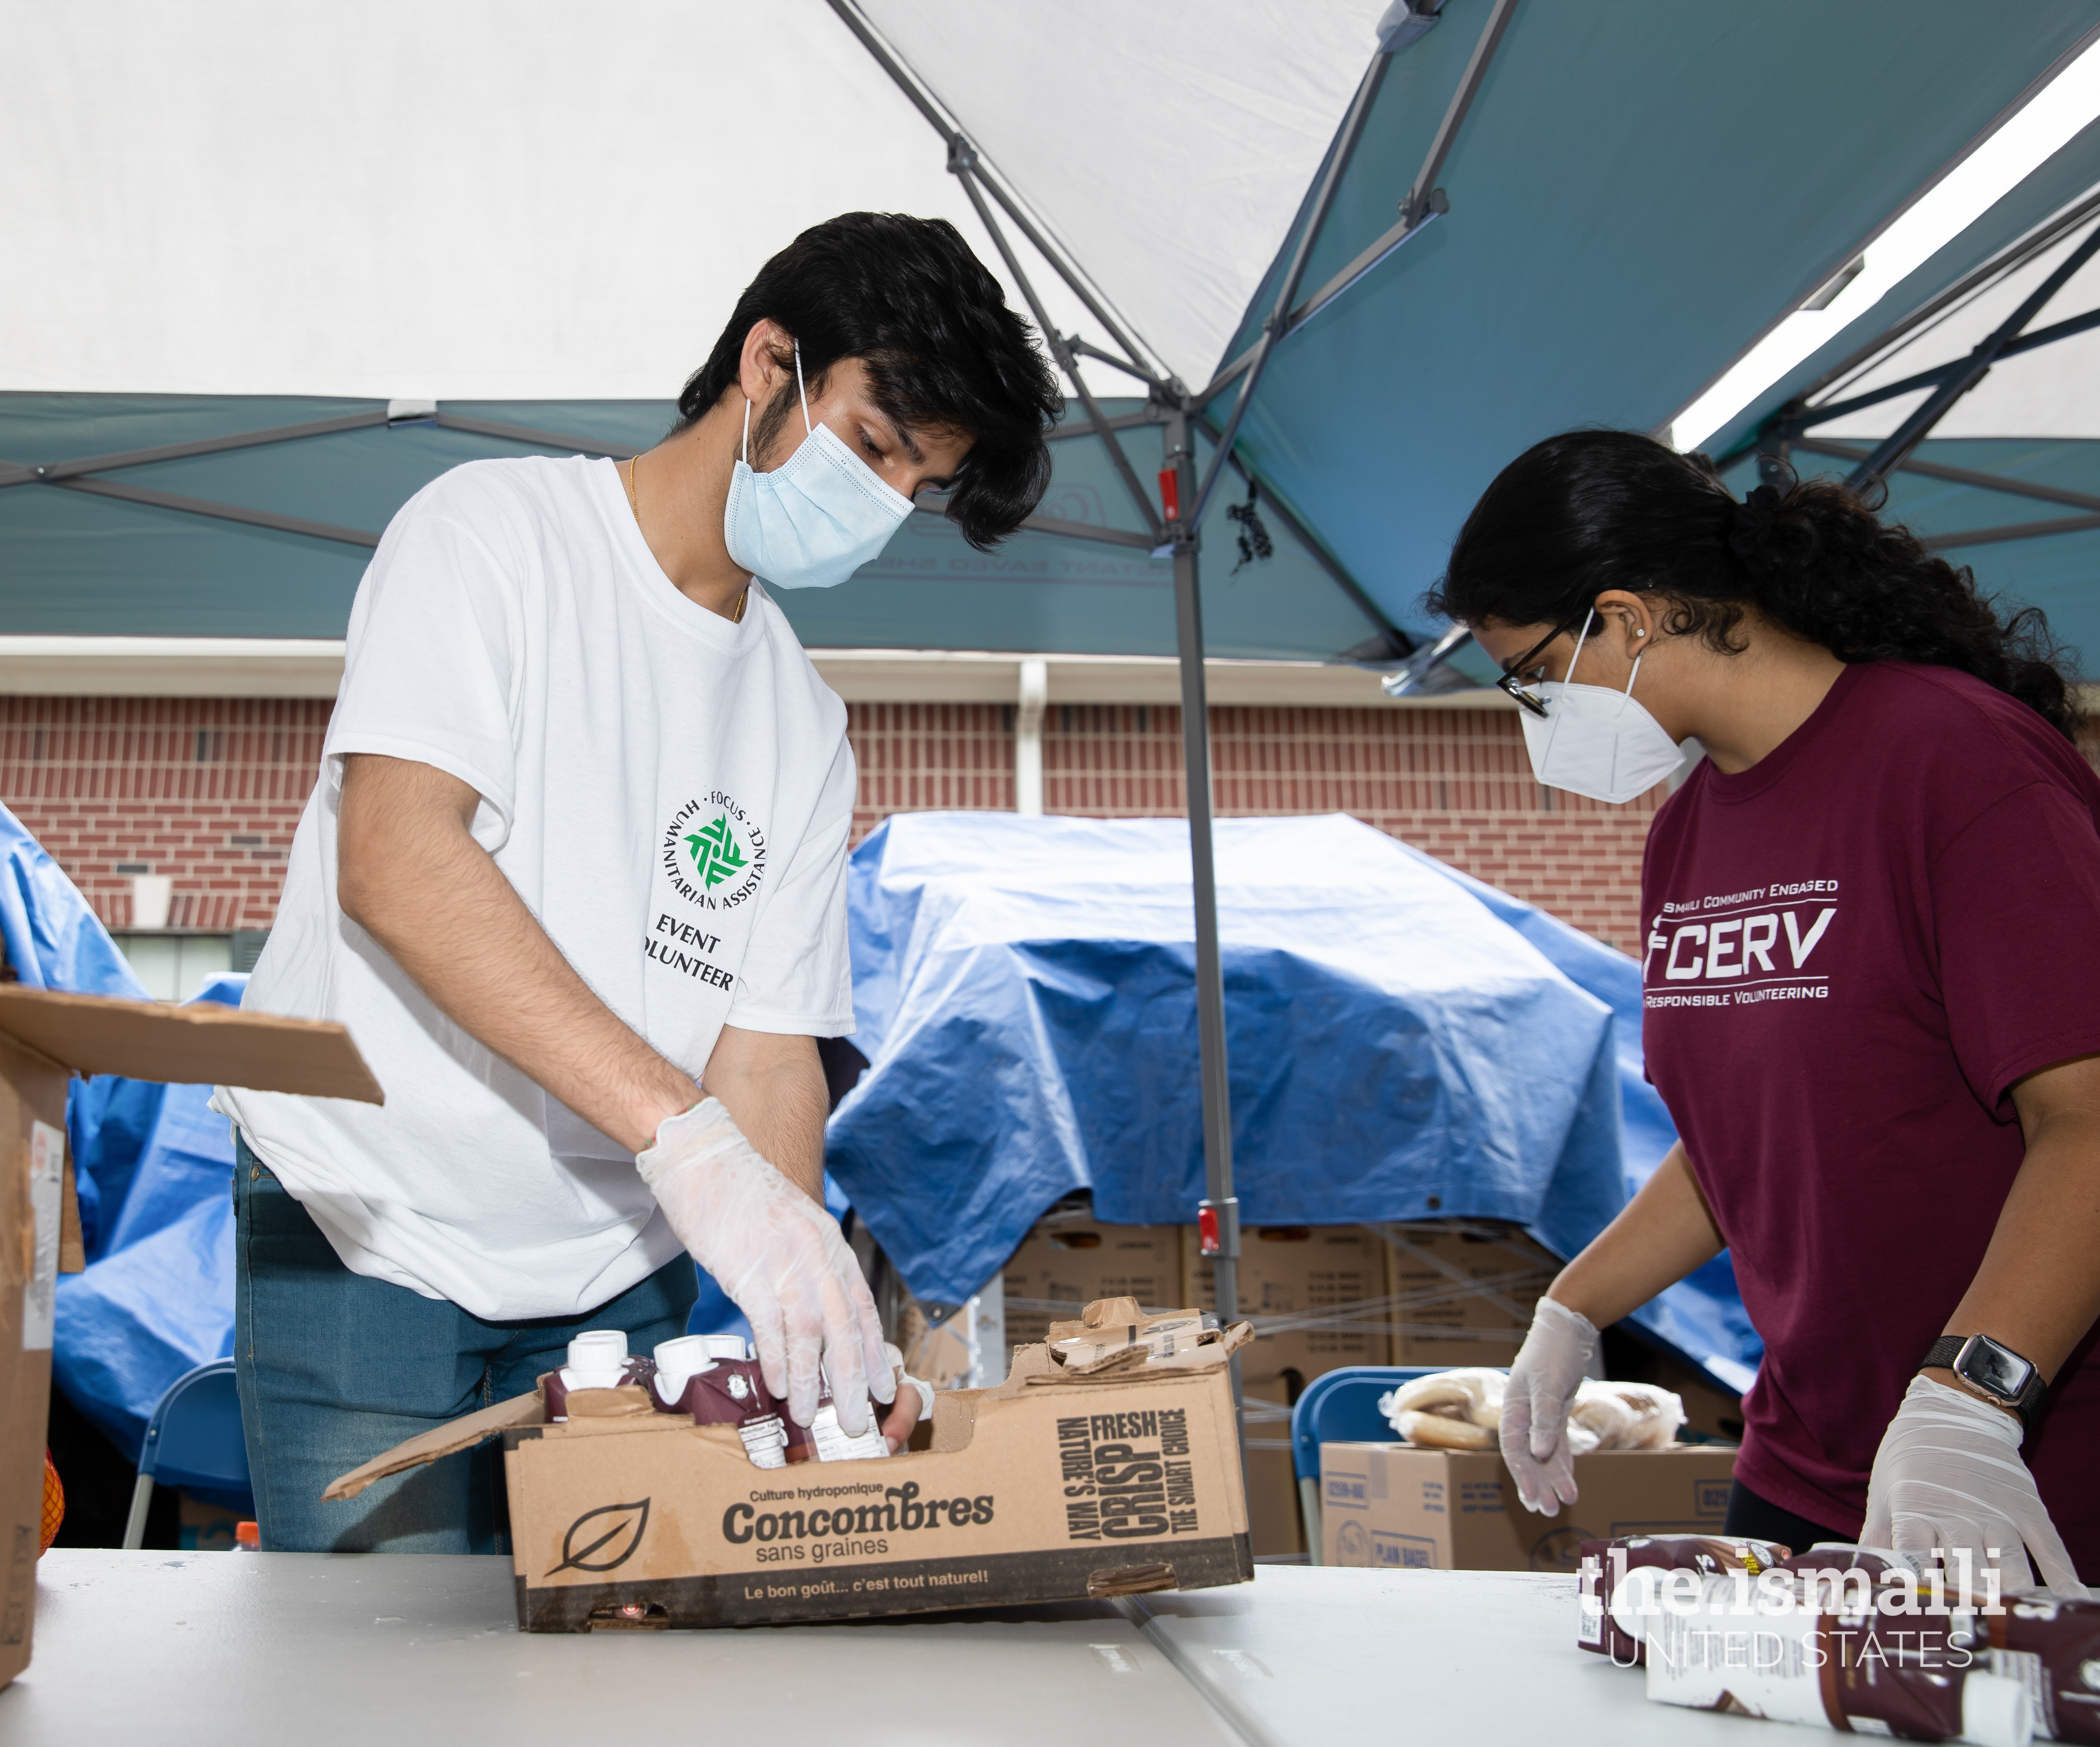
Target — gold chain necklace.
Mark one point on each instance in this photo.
(734, 618)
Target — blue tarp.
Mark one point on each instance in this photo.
(151, 1167)
(1405, 1043)
(54, 940)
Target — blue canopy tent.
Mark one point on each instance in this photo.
(217, 516)
(1495, 212)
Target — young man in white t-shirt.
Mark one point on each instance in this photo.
(578, 850)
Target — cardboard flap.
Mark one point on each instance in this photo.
(1108, 1318)
(204, 1045)
(1200, 1362)
(1115, 1342)
(614, 1409)
(457, 1434)
(1109, 1339)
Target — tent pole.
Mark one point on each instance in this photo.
(1913, 430)
(1983, 482)
(1219, 1203)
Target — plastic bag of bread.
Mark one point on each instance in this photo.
(1623, 1416)
(1448, 1410)
(1463, 1409)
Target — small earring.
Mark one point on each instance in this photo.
(1640, 633)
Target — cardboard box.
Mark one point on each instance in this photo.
(44, 1038)
(1057, 1485)
(1071, 1260)
(1395, 1506)
(1315, 1294)
(1462, 1292)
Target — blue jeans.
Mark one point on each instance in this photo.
(334, 1368)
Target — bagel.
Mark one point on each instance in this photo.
(1429, 1431)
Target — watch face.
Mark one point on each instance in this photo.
(1995, 1369)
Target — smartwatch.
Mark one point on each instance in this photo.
(1992, 1370)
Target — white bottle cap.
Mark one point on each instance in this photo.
(1995, 1711)
(725, 1346)
(677, 1360)
(598, 1351)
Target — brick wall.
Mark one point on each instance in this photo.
(209, 790)
(204, 789)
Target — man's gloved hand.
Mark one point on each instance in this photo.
(1549, 1368)
(779, 1256)
(1949, 1474)
(915, 1403)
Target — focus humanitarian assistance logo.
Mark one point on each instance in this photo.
(713, 853)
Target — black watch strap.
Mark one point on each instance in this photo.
(1942, 1353)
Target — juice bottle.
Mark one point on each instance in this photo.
(713, 1377)
(822, 1440)
(598, 1359)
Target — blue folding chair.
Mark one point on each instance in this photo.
(194, 1441)
(1341, 1407)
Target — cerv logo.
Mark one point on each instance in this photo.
(603, 1539)
(1756, 944)
(712, 852)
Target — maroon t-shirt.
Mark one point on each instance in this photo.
(1855, 948)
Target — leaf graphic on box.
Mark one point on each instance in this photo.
(612, 1530)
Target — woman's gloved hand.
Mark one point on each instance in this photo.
(1549, 1368)
(780, 1257)
(1949, 1474)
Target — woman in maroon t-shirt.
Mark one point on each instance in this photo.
(1872, 991)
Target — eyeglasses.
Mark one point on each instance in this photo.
(1513, 678)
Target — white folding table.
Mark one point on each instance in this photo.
(265, 1649)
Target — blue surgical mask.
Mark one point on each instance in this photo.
(814, 519)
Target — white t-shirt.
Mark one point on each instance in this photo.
(671, 795)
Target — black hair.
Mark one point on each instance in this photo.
(1591, 510)
(942, 351)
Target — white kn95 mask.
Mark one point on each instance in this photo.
(1597, 742)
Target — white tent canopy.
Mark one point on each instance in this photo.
(532, 200)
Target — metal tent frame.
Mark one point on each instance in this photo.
(1184, 494)
(1825, 401)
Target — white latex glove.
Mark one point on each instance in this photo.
(1948, 1475)
(780, 1257)
(1549, 1368)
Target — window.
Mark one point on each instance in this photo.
(173, 966)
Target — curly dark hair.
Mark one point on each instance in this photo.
(1591, 510)
(942, 350)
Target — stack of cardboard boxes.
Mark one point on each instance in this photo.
(1319, 1297)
